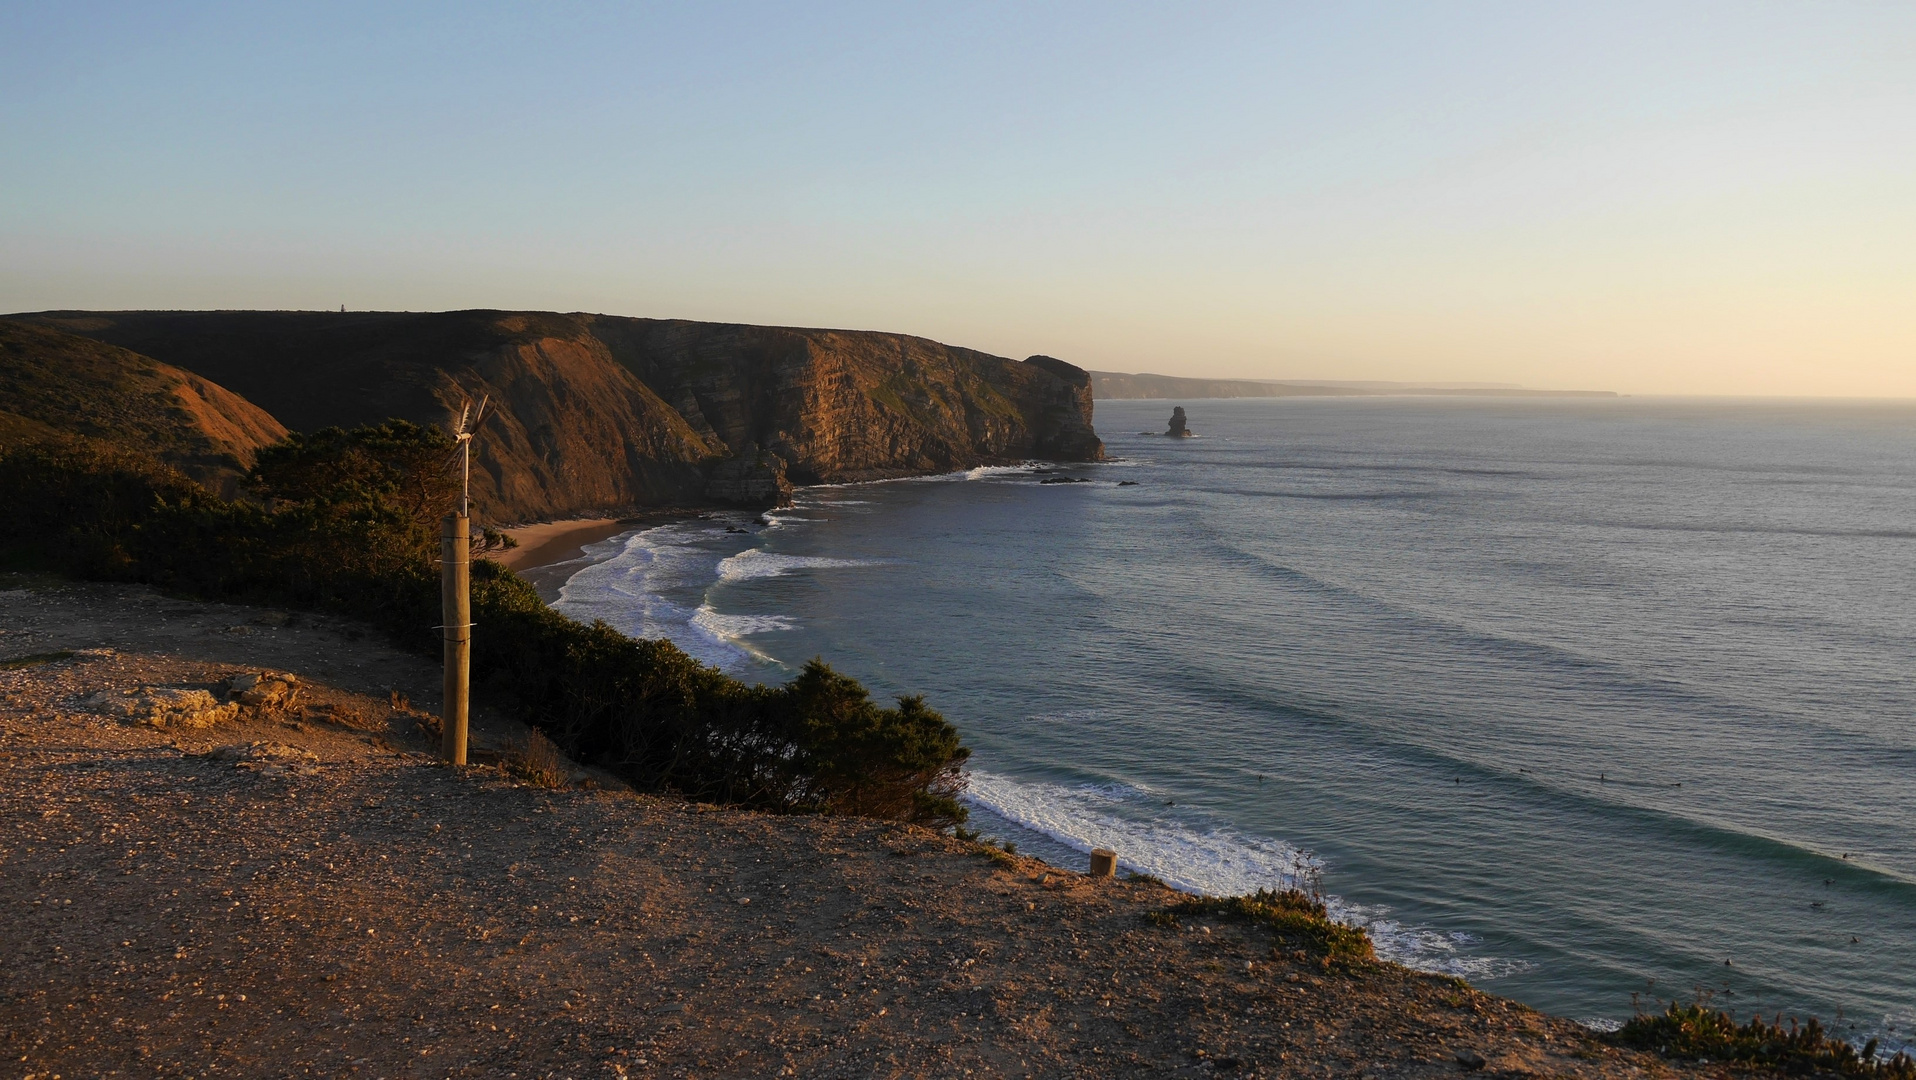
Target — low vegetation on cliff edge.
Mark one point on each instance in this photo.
(1299, 920)
(348, 520)
(1696, 1032)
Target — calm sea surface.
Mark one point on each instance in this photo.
(1576, 699)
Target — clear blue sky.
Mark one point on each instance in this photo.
(1657, 196)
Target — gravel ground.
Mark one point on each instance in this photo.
(335, 903)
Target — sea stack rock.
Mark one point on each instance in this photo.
(753, 478)
(1178, 430)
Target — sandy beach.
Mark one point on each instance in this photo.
(306, 891)
(544, 545)
(548, 542)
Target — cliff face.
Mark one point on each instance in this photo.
(841, 405)
(57, 382)
(600, 412)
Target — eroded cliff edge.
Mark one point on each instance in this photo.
(602, 411)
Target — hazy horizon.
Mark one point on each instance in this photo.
(1691, 199)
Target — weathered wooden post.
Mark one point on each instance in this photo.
(1104, 863)
(455, 602)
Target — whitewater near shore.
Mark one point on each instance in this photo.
(320, 897)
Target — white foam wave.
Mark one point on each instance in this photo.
(984, 471)
(1128, 819)
(651, 584)
(1435, 951)
(730, 627)
(1193, 854)
(757, 563)
(774, 520)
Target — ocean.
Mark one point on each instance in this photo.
(1593, 702)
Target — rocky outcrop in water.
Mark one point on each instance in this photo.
(1177, 429)
(599, 412)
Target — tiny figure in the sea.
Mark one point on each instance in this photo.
(1178, 430)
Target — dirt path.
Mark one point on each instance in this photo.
(341, 905)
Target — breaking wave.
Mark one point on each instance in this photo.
(1193, 852)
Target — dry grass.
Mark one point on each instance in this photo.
(537, 761)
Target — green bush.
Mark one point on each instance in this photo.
(349, 521)
(1696, 1031)
(1299, 920)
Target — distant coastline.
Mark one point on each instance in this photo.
(1115, 385)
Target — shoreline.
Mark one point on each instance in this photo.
(545, 543)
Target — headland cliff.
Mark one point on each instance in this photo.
(598, 412)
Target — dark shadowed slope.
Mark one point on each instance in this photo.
(57, 382)
(574, 431)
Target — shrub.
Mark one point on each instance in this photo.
(1299, 920)
(75, 504)
(1696, 1031)
(537, 761)
(349, 521)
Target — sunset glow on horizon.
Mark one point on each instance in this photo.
(1652, 198)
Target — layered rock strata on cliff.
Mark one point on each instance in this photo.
(841, 405)
(599, 412)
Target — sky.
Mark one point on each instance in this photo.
(1660, 197)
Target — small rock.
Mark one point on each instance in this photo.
(163, 707)
(269, 758)
(1470, 1060)
(266, 689)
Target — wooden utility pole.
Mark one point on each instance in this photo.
(455, 593)
(455, 602)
